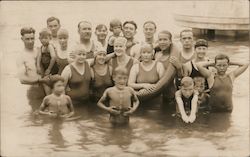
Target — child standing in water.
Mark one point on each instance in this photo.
(221, 85)
(116, 29)
(187, 100)
(122, 99)
(57, 104)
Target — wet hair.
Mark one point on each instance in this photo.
(187, 82)
(185, 30)
(63, 32)
(221, 57)
(167, 33)
(54, 79)
(124, 40)
(27, 30)
(50, 19)
(152, 22)
(201, 42)
(120, 70)
(114, 23)
(100, 26)
(79, 24)
(45, 32)
(130, 22)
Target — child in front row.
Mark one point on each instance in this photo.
(221, 84)
(57, 104)
(116, 28)
(122, 100)
(187, 100)
(46, 58)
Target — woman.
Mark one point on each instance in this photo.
(102, 74)
(147, 73)
(121, 59)
(77, 76)
(163, 56)
(101, 32)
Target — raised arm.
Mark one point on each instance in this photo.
(237, 72)
(204, 71)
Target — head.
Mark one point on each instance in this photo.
(99, 56)
(147, 52)
(28, 37)
(201, 46)
(187, 87)
(129, 29)
(45, 36)
(221, 63)
(85, 30)
(80, 54)
(120, 46)
(57, 84)
(187, 37)
(63, 37)
(120, 77)
(54, 25)
(115, 26)
(149, 29)
(101, 32)
(164, 39)
(199, 84)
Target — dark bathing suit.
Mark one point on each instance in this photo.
(62, 63)
(45, 61)
(128, 66)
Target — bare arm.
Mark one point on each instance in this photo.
(135, 101)
(132, 78)
(66, 74)
(204, 71)
(180, 104)
(109, 56)
(102, 100)
(242, 67)
(43, 106)
(71, 108)
(160, 69)
(38, 61)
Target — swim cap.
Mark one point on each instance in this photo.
(99, 50)
(201, 42)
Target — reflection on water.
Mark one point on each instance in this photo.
(150, 133)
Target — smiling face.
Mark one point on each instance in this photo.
(201, 52)
(117, 30)
(147, 53)
(129, 31)
(149, 30)
(119, 47)
(45, 39)
(85, 30)
(28, 40)
(54, 26)
(164, 41)
(187, 40)
(100, 57)
(221, 66)
(101, 33)
(80, 56)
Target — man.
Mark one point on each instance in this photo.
(187, 40)
(129, 31)
(54, 25)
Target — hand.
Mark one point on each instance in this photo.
(47, 72)
(175, 62)
(185, 118)
(130, 111)
(192, 118)
(52, 114)
(111, 40)
(65, 116)
(113, 111)
(148, 86)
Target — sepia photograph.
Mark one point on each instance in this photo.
(124, 78)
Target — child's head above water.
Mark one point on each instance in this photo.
(221, 63)
(120, 76)
(187, 86)
(63, 37)
(45, 36)
(147, 52)
(57, 84)
(115, 26)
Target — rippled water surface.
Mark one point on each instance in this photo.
(150, 133)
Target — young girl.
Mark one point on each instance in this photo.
(46, 58)
(122, 99)
(101, 32)
(57, 104)
(102, 74)
(116, 29)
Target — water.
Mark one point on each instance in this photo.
(150, 133)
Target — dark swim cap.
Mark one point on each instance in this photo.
(201, 42)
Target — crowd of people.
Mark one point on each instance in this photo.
(110, 71)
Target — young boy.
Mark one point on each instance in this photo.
(122, 99)
(116, 28)
(222, 83)
(57, 104)
(187, 100)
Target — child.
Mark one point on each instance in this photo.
(116, 28)
(221, 85)
(57, 104)
(62, 56)
(187, 100)
(122, 99)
